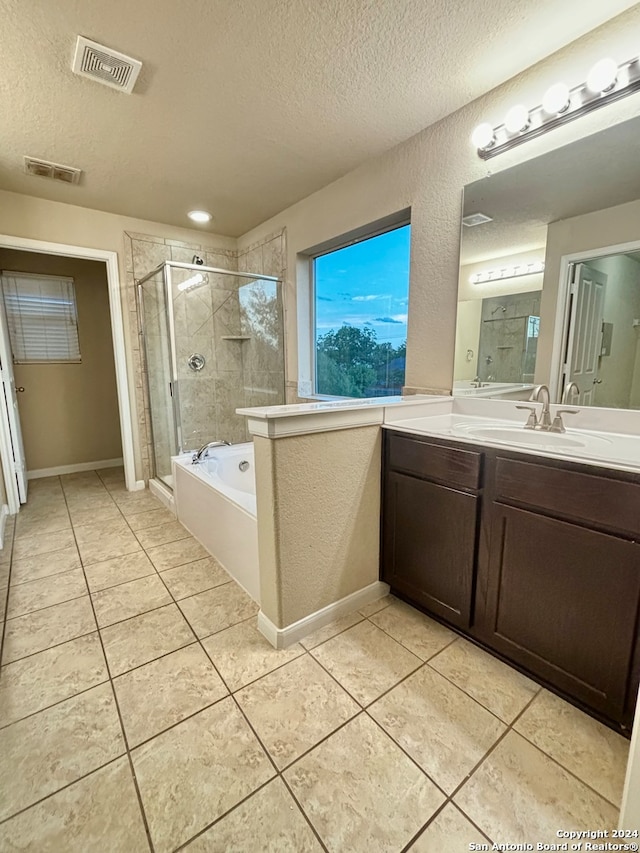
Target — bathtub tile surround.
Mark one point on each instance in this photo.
(236, 745)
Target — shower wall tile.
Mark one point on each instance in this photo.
(200, 330)
(128, 254)
(180, 244)
(272, 257)
(251, 261)
(148, 255)
(223, 260)
(145, 238)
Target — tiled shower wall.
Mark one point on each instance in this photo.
(236, 373)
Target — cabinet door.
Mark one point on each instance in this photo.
(562, 600)
(429, 542)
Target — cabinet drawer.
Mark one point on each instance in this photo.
(607, 503)
(459, 469)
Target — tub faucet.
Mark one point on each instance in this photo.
(199, 455)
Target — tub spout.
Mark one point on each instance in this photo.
(204, 450)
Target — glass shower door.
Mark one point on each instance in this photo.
(155, 330)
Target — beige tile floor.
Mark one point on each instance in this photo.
(140, 709)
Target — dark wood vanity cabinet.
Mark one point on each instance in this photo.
(537, 560)
(430, 518)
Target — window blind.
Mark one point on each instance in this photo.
(42, 317)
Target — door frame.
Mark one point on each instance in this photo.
(561, 322)
(110, 260)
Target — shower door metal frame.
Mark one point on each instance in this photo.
(174, 385)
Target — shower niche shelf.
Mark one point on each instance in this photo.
(235, 337)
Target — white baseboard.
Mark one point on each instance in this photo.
(139, 486)
(74, 469)
(163, 493)
(282, 638)
(4, 514)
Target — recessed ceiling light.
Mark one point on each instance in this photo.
(199, 216)
(475, 219)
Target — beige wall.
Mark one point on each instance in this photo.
(610, 227)
(467, 338)
(318, 519)
(38, 219)
(427, 173)
(69, 412)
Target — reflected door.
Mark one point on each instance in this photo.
(585, 332)
(10, 401)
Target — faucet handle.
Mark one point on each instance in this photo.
(532, 420)
(558, 425)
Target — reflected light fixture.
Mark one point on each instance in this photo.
(193, 281)
(514, 271)
(606, 81)
(200, 216)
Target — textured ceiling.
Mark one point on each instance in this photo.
(593, 173)
(246, 106)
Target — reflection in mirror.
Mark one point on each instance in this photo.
(549, 287)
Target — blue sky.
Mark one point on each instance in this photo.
(366, 283)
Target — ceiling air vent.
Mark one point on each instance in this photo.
(45, 169)
(475, 219)
(105, 66)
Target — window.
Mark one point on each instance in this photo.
(42, 317)
(361, 303)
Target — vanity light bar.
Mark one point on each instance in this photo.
(605, 82)
(507, 272)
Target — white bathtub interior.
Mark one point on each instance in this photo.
(216, 502)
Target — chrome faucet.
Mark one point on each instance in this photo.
(544, 421)
(199, 455)
(569, 391)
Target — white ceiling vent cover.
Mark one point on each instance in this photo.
(105, 66)
(56, 171)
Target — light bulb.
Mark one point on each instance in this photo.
(556, 99)
(602, 76)
(482, 136)
(517, 119)
(199, 216)
(192, 281)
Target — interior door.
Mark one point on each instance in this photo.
(9, 400)
(585, 332)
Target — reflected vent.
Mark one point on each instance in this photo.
(475, 219)
(105, 66)
(55, 171)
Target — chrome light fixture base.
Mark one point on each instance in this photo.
(581, 101)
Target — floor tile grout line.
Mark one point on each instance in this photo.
(56, 703)
(561, 765)
(307, 651)
(347, 691)
(6, 602)
(63, 788)
(54, 646)
(491, 749)
(47, 606)
(237, 704)
(119, 713)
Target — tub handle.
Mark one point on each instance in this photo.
(244, 465)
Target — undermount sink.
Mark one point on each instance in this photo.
(525, 436)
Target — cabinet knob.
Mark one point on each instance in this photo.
(20, 389)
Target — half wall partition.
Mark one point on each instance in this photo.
(213, 342)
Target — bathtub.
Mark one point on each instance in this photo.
(216, 502)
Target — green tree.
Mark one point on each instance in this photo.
(351, 363)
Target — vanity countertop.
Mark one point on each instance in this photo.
(606, 438)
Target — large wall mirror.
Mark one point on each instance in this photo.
(549, 288)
